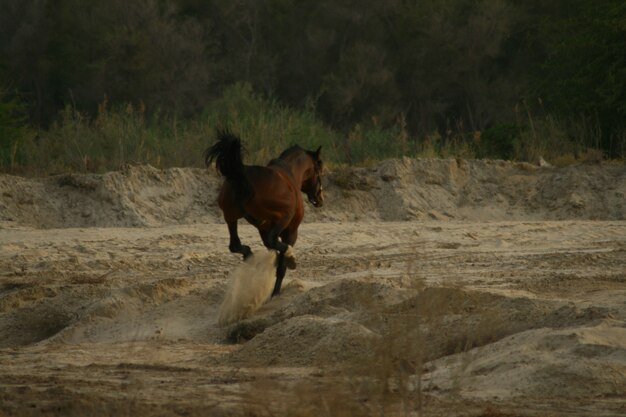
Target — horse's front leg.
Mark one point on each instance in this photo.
(235, 245)
(271, 241)
(283, 262)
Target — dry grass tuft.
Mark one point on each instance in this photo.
(592, 156)
(564, 160)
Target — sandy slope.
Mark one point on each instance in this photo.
(485, 318)
(394, 190)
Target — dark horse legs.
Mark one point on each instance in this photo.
(285, 258)
(283, 263)
(281, 270)
(235, 245)
(270, 238)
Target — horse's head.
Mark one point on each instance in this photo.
(312, 185)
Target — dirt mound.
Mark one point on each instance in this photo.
(309, 340)
(69, 314)
(589, 360)
(392, 190)
(360, 318)
(135, 196)
(479, 190)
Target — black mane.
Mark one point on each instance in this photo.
(290, 150)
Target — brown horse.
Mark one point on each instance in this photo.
(267, 197)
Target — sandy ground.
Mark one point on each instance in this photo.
(423, 287)
(380, 318)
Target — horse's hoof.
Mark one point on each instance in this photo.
(290, 259)
(290, 262)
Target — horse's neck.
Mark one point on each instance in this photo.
(298, 167)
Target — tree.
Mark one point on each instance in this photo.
(24, 38)
(128, 52)
(583, 74)
(13, 128)
(448, 58)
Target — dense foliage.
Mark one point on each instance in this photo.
(408, 74)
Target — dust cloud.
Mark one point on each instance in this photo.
(250, 285)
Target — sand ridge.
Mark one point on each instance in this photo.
(393, 190)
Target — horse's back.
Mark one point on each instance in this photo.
(270, 184)
(271, 195)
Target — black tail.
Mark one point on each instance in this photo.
(227, 156)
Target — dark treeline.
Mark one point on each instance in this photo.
(428, 65)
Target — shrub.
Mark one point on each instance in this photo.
(499, 141)
(13, 131)
(564, 160)
(268, 127)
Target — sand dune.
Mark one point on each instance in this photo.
(442, 287)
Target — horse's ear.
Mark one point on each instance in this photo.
(317, 152)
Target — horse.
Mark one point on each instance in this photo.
(268, 197)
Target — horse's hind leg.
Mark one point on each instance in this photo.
(235, 245)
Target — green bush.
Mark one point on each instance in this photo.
(267, 127)
(13, 131)
(124, 134)
(374, 143)
(499, 141)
